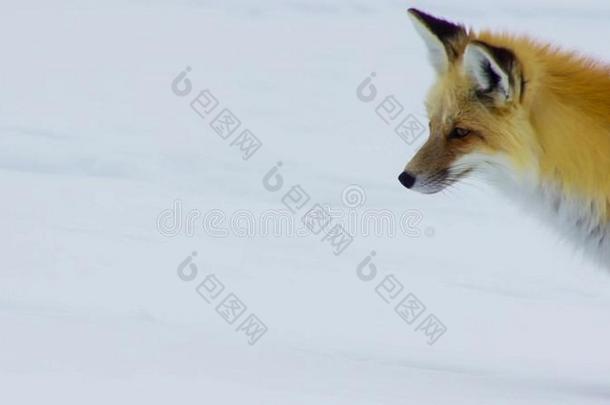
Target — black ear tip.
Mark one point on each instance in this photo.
(421, 14)
(417, 13)
(441, 28)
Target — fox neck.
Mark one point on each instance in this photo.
(567, 178)
(573, 147)
(575, 218)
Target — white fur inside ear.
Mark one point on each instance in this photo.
(436, 49)
(478, 63)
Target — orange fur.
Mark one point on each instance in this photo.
(536, 117)
(568, 102)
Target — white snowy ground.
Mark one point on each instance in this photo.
(94, 146)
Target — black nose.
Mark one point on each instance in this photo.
(406, 179)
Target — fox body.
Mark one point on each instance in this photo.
(532, 119)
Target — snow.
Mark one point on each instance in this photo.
(95, 147)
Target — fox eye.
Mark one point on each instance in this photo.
(457, 133)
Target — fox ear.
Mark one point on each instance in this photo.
(494, 71)
(441, 37)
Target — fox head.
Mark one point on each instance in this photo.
(475, 107)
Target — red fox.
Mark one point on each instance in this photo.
(532, 119)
